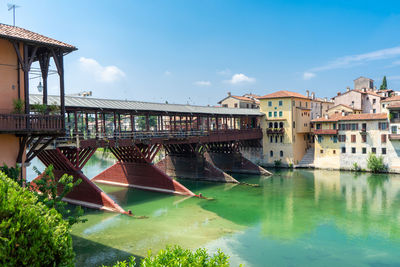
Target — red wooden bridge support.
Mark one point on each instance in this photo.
(70, 161)
(227, 157)
(135, 169)
(188, 161)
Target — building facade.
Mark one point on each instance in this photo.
(342, 141)
(245, 101)
(286, 127)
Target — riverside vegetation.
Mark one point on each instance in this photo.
(35, 228)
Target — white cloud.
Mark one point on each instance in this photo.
(101, 73)
(202, 83)
(354, 60)
(240, 78)
(308, 75)
(224, 72)
(167, 73)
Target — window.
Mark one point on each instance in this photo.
(364, 126)
(271, 139)
(353, 138)
(353, 150)
(394, 129)
(280, 102)
(383, 138)
(374, 111)
(236, 105)
(383, 150)
(306, 104)
(334, 151)
(321, 151)
(318, 126)
(281, 153)
(276, 139)
(374, 101)
(294, 103)
(352, 103)
(275, 125)
(373, 150)
(354, 126)
(343, 150)
(281, 139)
(281, 125)
(363, 138)
(342, 138)
(270, 114)
(269, 103)
(275, 113)
(335, 139)
(382, 125)
(225, 105)
(271, 153)
(334, 126)
(320, 138)
(280, 113)
(271, 125)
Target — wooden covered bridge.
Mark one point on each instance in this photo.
(199, 142)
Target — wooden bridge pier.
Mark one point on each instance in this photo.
(71, 160)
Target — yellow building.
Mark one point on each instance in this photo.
(286, 125)
(342, 109)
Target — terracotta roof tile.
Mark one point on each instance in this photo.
(283, 94)
(344, 105)
(20, 34)
(393, 98)
(353, 117)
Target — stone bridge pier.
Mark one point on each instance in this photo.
(135, 169)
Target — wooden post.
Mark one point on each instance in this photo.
(44, 60)
(119, 122)
(26, 82)
(76, 121)
(216, 122)
(147, 122)
(132, 123)
(96, 123)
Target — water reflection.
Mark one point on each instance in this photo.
(298, 217)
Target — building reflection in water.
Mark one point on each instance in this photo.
(296, 203)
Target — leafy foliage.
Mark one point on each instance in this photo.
(19, 106)
(43, 108)
(356, 167)
(278, 163)
(384, 84)
(141, 121)
(375, 164)
(46, 191)
(31, 234)
(13, 173)
(177, 256)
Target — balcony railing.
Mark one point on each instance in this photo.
(275, 130)
(395, 120)
(394, 136)
(23, 123)
(325, 131)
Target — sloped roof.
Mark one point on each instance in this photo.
(343, 105)
(138, 106)
(283, 94)
(353, 117)
(242, 98)
(20, 34)
(393, 98)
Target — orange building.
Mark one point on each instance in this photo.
(25, 132)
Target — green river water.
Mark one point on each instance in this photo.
(295, 218)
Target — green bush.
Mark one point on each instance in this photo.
(19, 106)
(177, 256)
(375, 164)
(356, 167)
(30, 233)
(13, 173)
(278, 163)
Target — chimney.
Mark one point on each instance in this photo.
(229, 93)
(348, 88)
(312, 95)
(308, 93)
(343, 113)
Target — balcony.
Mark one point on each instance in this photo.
(363, 131)
(23, 123)
(394, 137)
(395, 120)
(275, 130)
(325, 131)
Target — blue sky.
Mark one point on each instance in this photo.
(184, 51)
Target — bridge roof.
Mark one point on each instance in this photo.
(85, 103)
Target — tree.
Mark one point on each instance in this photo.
(375, 164)
(31, 234)
(384, 84)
